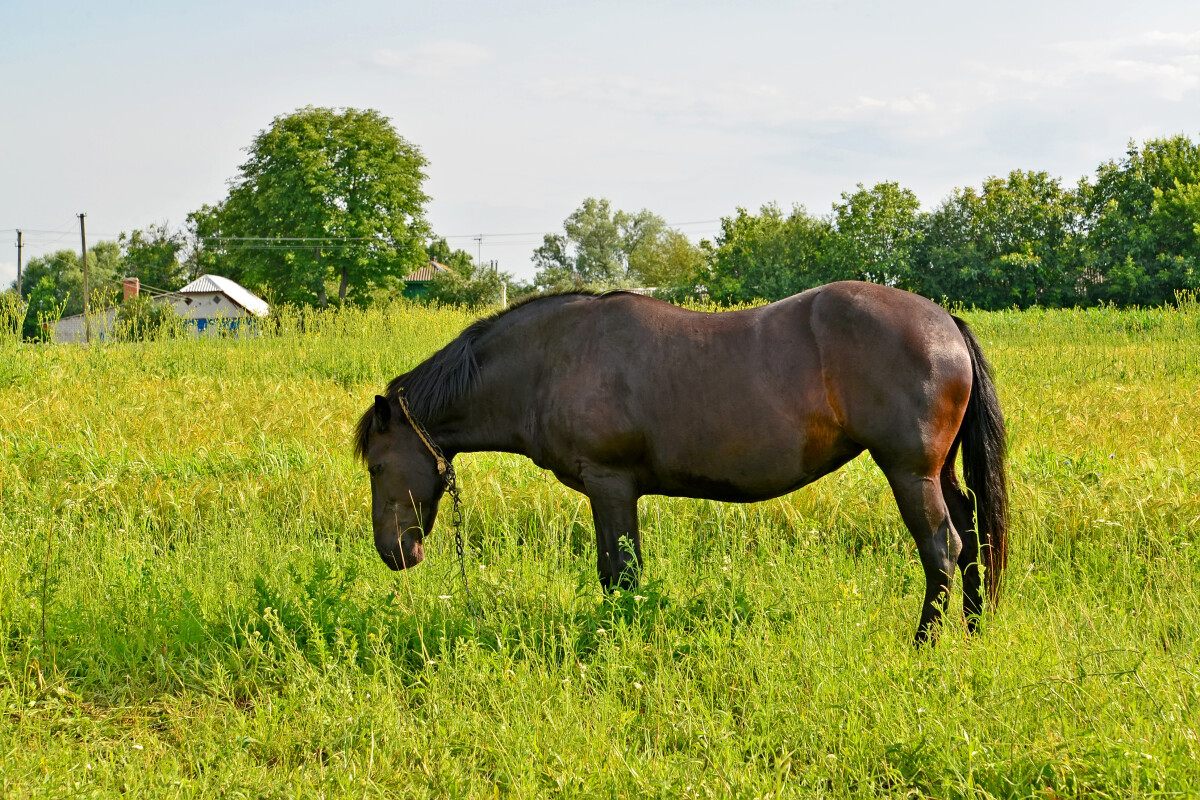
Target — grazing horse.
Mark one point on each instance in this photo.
(621, 395)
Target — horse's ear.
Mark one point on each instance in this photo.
(383, 412)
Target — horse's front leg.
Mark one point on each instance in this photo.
(618, 544)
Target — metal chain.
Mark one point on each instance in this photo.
(456, 519)
(450, 478)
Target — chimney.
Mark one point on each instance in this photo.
(131, 287)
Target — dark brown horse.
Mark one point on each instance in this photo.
(622, 395)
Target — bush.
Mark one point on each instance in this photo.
(12, 316)
(468, 285)
(141, 319)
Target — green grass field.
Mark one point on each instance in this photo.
(217, 621)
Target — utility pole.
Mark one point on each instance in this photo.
(87, 322)
(479, 257)
(19, 245)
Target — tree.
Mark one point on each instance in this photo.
(325, 196)
(605, 249)
(152, 256)
(1015, 242)
(466, 283)
(877, 231)
(1141, 212)
(767, 256)
(203, 251)
(44, 305)
(66, 275)
(444, 254)
(667, 261)
(590, 252)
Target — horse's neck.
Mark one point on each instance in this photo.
(492, 415)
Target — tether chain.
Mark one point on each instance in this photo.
(450, 478)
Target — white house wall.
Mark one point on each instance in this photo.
(207, 305)
(72, 329)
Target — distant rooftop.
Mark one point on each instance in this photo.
(426, 273)
(236, 292)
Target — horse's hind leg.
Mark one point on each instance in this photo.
(928, 519)
(962, 514)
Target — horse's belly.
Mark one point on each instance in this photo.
(750, 471)
(705, 487)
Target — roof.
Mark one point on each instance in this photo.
(426, 273)
(234, 291)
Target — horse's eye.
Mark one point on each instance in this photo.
(374, 469)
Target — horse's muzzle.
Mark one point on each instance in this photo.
(407, 552)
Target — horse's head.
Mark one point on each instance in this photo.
(405, 483)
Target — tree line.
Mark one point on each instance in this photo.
(329, 208)
(1130, 236)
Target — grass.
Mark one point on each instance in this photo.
(217, 621)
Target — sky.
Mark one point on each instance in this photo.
(137, 113)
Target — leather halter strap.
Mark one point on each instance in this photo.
(423, 435)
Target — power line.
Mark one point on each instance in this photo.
(490, 235)
(473, 236)
(46, 237)
(293, 238)
(289, 249)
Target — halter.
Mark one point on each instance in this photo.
(446, 469)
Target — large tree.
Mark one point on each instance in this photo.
(53, 283)
(1013, 242)
(152, 256)
(202, 247)
(667, 261)
(767, 256)
(326, 197)
(65, 271)
(1143, 244)
(877, 232)
(603, 248)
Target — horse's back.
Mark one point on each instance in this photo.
(745, 404)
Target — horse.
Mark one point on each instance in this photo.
(621, 395)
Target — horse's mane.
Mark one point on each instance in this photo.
(447, 375)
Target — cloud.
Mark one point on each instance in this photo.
(432, 60)
(726, 101)
(1061, 108)
(760, 107)
(1166, 65)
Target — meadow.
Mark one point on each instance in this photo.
(191, 604)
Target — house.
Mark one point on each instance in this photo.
(416, 284)
(210, 300)
(74, 329)
(213, 300)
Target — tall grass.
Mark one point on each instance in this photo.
(217, 620)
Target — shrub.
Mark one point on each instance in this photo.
(141, 319)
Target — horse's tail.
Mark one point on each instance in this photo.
(984, 447)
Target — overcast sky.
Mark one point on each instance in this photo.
(138, 112)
